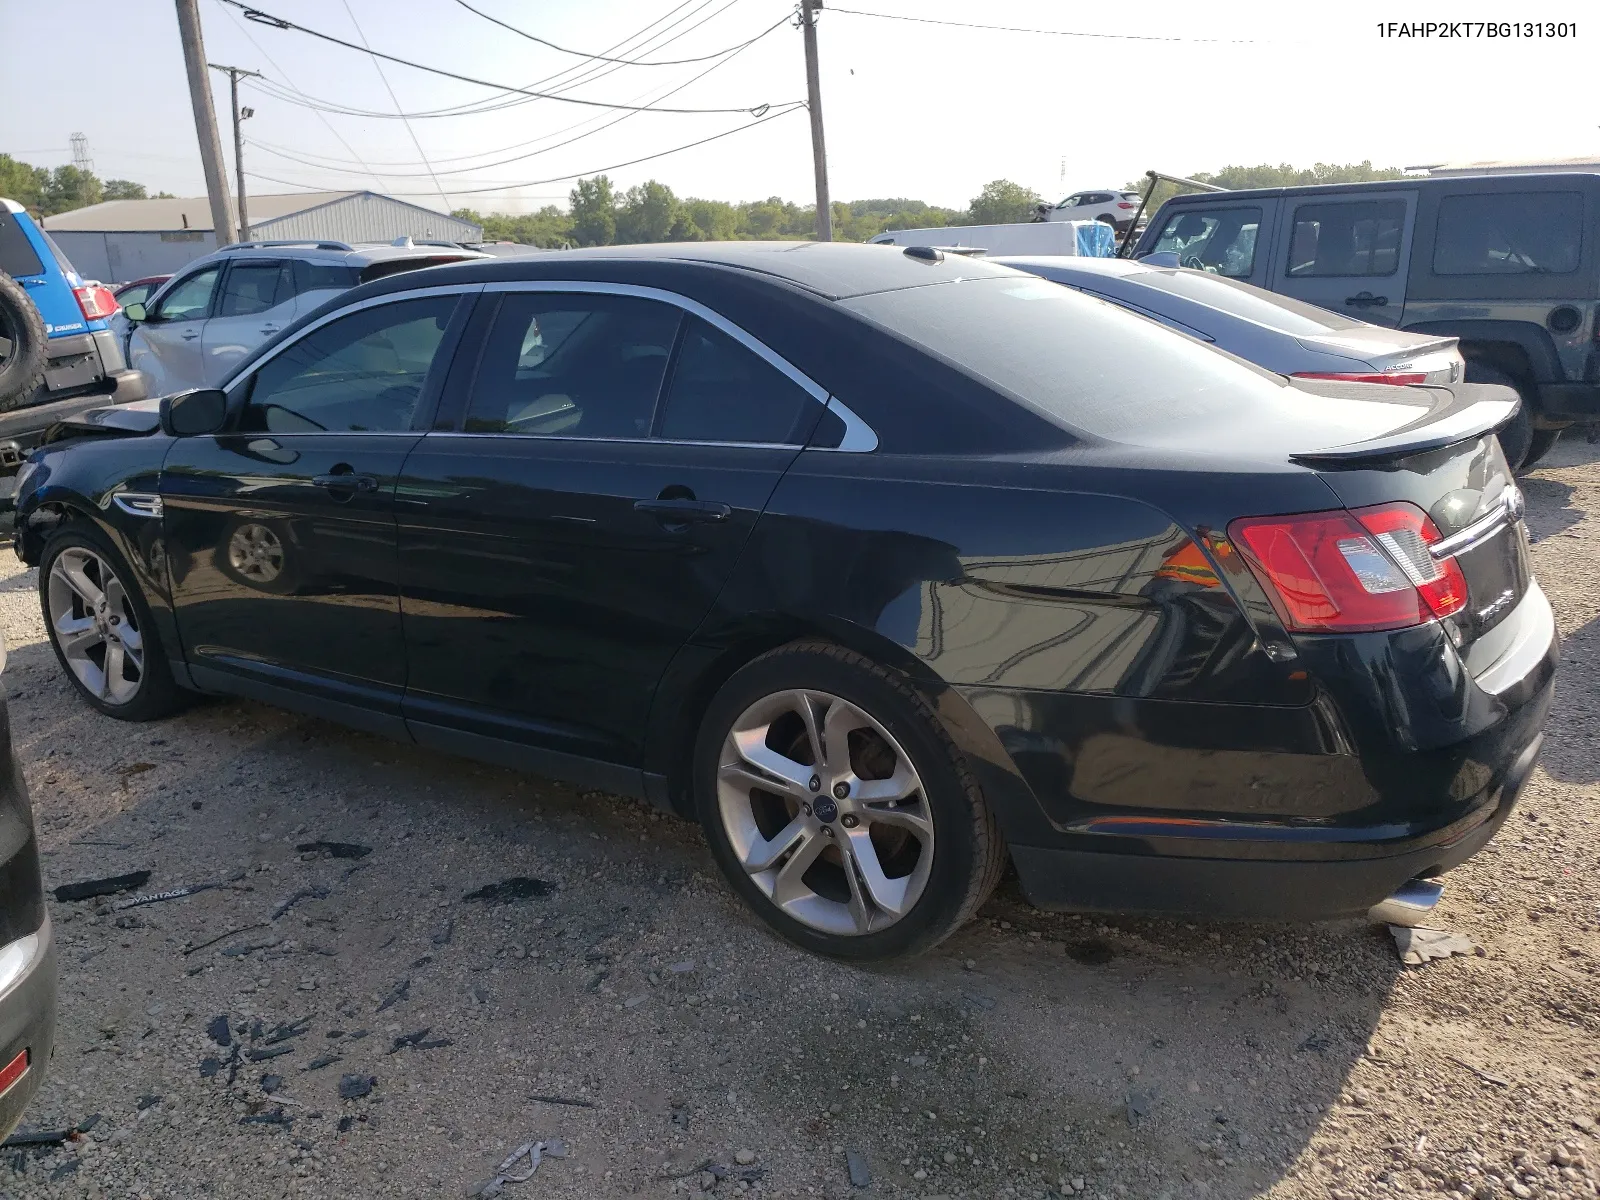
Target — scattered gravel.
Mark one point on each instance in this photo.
(680, 1050)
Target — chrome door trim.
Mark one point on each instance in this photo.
(454, 289)
(138, 504)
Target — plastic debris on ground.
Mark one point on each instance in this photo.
(856, 1163)
(518, 887)
(334, 849)
(1418, 944)
(88, 889)
(512, 1170)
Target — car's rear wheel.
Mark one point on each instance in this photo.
(1516, 435)
(1540, 444)
(838, 807)
(101, 629)
(23, 349)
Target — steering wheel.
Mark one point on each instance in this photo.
(1193, 261)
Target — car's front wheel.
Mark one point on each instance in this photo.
(838, 807)
(101, 629)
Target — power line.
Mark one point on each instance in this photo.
(488, 166)
(1120, 37)
(626, 62)
(632, 162)
(263, 18)
(398, 107)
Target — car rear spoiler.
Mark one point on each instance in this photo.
(1455, 413)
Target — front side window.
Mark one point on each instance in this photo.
(576, 364)
(1222, 241)
(1349, 238)
(254, 287)
(723, 392)
(1509, 233)
(360, 373)
(190, 299)
(137, 294)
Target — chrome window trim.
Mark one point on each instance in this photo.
(457, 289)
(859, 437)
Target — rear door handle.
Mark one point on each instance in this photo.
(270, 329)
(346, 482)
(683, 512)
(190, 336)
(1364, 299)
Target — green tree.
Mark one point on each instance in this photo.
(71, 188)
(648, 213)
(23, 182)
(124, 189)
(1002, 202)
(710, 221)
(594, 212)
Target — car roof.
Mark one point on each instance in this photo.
(1503, 182)
(833, 270)
(1074, 265)
(360, 254)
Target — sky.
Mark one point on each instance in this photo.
(922, 110)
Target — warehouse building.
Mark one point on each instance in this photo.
(120, 240)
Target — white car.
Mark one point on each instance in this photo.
(1112, 206)
(206, 318)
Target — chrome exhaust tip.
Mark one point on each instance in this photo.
(1411, 904)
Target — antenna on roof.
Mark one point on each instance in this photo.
(403, 241)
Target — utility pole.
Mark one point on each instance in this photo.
(239, 115)
(819, 153)
(205, 120)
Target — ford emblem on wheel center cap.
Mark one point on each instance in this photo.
(825, 809)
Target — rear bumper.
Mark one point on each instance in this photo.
(27, 1016)
(1570, 401)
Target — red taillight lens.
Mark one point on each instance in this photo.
(95, 302)
(1398, 377)
(1126, 204)
(1348, 571)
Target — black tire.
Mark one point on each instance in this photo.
(1542, 442)
(968, 855)
(157, 695)
(22, 328)
(1516, 435)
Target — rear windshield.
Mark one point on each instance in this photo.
(1282, 313)
(394, 266)
(17, 255)
(1083, 363)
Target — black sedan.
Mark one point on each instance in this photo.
(886, 566)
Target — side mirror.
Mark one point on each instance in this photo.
(194, 413)
(135, 312)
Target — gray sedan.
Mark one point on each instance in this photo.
(1272, 331)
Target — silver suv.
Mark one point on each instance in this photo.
(206, 318)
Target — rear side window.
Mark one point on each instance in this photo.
(1086, 365)
(1509, 233)
(1222, 241)
(394, 266)
(254, 287)
(319, 277)
(1349, 238)
(581, 365)
(17, 255)
(723, 392)
(61, 258)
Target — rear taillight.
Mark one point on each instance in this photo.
(1347, 571)
(1126, 204)
(95, 302)
(1398, 377)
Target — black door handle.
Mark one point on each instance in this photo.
(344, 481)
(683, 511)
(1364, 299)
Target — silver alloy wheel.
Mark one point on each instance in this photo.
(825, 812)
(96, 626)
(256, 553)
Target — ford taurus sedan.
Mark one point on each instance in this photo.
(887, 567)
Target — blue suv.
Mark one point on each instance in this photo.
(58, 354)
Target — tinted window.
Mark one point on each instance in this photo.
(253, 287)
(1349, 238)
(137, 294)
(723, 392)
(1243, 300)
(190, 298)
(1089, 366)
(17, 255)
(573, 365)
(1097, 198)
(1509, 233)
(1222, 241)
(359, 373)
(62, 260)
(317, 277)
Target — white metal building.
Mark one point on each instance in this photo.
(119, 240)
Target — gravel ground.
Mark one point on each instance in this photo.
(680, 1049)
